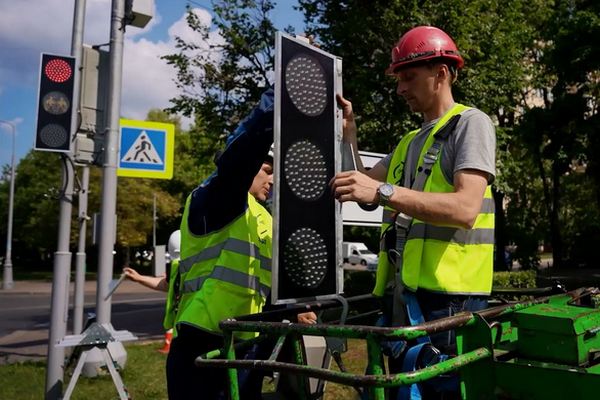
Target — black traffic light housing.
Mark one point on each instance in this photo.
(55, 103)
(307, 225)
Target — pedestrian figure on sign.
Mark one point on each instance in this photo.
(144, 145)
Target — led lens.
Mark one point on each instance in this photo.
(305, 258)
(306, 85)
(56, 103)
(305, 170)
(58, 70)
(53, 135)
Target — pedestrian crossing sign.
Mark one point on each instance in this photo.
(146, 149)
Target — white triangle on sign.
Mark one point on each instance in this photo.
(142, 151)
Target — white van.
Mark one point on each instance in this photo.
(358, 253)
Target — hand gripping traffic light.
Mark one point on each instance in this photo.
(55, 103)
(307, 224)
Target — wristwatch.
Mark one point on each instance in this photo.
(385, 191)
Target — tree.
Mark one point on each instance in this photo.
(223, 73)
(35, 217)
(492, 36)
(560, 132)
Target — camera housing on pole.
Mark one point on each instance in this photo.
(89, 143)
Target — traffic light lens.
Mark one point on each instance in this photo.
(305, 258)
(305, 170)
(58, 70)
(56, 103)
(53, 135)
(306, 85)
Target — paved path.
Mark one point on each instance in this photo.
(25, 316)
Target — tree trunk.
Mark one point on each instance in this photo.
(500, 232)
(557, 243)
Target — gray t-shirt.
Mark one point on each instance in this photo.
(472, 145)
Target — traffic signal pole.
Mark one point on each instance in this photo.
(79, 292)
(62, 257)
(109, 168)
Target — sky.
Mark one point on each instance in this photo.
(28, 28)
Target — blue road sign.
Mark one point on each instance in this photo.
(146, 149)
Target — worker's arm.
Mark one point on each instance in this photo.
(223, 196)
(459, 208)
(152, 282)
(379, 171)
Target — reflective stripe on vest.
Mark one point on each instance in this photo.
(487, 207)
(450, 234)
(228, 275)
(231, 244)
(439, 258)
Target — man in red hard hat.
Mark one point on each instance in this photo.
(437, 236)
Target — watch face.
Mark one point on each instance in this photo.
(386, 190)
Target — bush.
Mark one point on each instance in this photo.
(358, 282)
(362, 282)
(514, 279)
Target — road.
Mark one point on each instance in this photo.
(25, 317)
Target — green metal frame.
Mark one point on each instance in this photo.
(485, 343)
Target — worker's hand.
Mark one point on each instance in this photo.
(131, 274)
(307, 318)
(355, 186)
(313, 41)
(349, 123)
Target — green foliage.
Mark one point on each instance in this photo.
(358, 282)
(557, 133)
(223, 72)
(367, 235)
(492, 35)
(35, 216)
(363, 282)
(515, 279)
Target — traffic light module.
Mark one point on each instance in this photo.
(55, 103)
(307, 230)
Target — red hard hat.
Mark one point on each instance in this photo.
(424, 43)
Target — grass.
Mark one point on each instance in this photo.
(144, 377)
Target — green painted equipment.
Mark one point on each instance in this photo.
(545, 348)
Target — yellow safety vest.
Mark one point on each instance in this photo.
(172, 295)
(436, 257)
(226, 273)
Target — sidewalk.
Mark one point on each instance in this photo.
(41, 287)
(30, 344)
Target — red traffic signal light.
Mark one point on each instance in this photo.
(55, 103)
(58, 70)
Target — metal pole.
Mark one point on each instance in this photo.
(109, 176)
(7, 273)
(62, 257)
(79, 296)
(154, 223)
